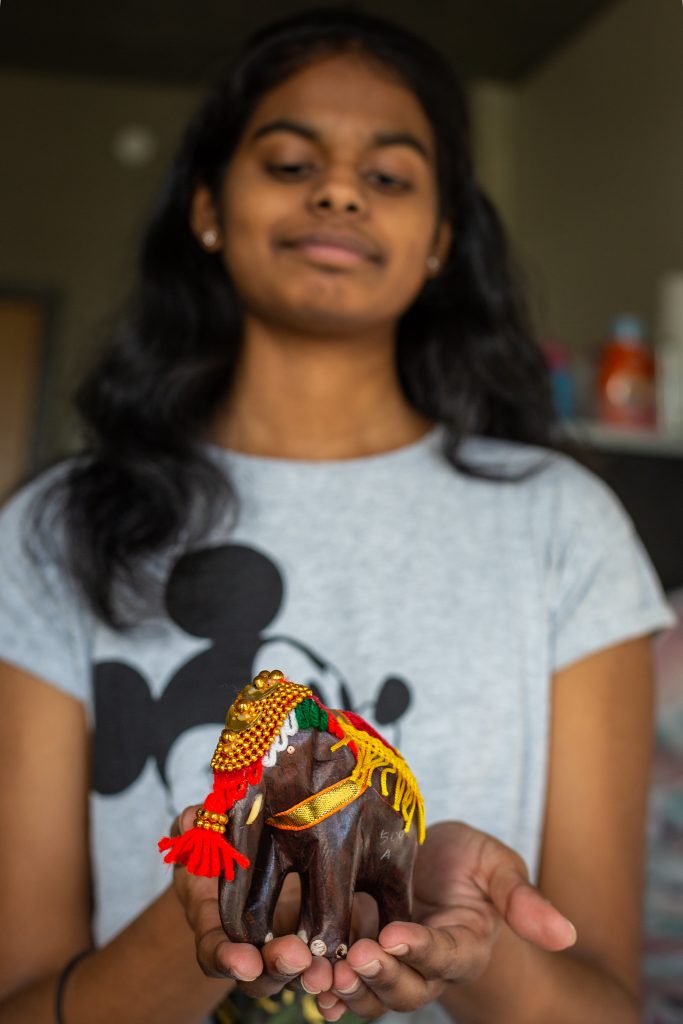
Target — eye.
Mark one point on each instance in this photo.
(388, 182)
(290, 171)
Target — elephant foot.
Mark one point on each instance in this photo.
(319, 948)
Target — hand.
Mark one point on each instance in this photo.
(285, 960)
(466, 885)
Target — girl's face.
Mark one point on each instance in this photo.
(329, 207)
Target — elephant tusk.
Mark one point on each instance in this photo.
(255, 809)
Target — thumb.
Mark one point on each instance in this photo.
(185, 820)
(525, 911)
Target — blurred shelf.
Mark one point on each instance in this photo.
(646, 442)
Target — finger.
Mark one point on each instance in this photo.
(528, 914)
(353, 995)
(318, 977)
(286, 956)
(384, 980)
(284, 960)
(535, 919)
(220, 958)
(330, 1008)
(453, 952)
(184, 820)
(216, 955)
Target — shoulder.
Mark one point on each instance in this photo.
(37, 486)
(32, 521)
(553, 487)
(44, 622)
(599, 584)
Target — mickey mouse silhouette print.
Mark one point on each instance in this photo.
(228, 596)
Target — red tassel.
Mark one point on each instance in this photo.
(230, 787)
(203, 853)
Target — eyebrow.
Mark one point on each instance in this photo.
(379, 139)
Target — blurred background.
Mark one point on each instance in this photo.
(578, 140)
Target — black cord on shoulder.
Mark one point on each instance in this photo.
(62, 980)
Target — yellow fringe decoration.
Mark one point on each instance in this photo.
(373, 755)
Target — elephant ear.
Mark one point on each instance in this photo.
(329, 762)
(203, 850)
(324, 748)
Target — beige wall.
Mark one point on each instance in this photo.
(585, 160)
(598, 210)
(70, 212)
(495, 128)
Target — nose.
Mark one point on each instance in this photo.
(337, 193)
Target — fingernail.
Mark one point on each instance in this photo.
(369, 970)
(284, 967)
(355, 985)
(238, 976)
(573, 930)
(324, 1002)
(311, 991)
(396, 950)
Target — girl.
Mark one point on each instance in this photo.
(321, 441)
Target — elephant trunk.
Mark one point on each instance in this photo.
(205, 849)
(243, 833)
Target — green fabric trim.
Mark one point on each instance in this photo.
(310, 716)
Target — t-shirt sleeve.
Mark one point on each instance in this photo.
(43, 626)
(603, 587)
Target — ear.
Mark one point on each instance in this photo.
(442, 241)
(204, 219)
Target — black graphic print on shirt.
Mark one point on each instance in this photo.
(230, 595)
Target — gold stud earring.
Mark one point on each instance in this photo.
(433, 264)
(209, 237)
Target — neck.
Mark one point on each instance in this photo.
(316, 398)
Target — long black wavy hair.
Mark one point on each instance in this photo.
(465, 352)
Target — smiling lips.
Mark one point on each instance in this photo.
(333, 248)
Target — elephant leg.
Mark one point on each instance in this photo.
(269, 875)
(327, 890)
(392, 886)
(306, 920)
(234, 897)
(394, 901)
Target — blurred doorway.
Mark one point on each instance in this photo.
(25, 322)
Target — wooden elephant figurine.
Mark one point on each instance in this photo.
(300, 788)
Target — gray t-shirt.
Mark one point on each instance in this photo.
(434, 604)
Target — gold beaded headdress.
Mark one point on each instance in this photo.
(255, 718)
(252, 723)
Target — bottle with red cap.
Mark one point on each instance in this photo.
(626, 392)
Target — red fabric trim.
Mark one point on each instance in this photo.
(359, 723)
